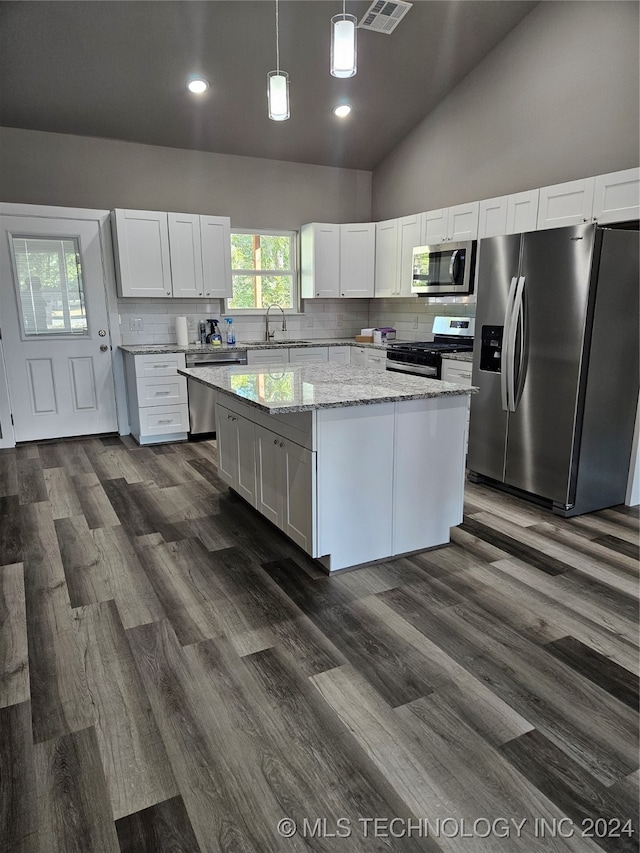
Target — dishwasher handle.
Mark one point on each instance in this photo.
(209, 360)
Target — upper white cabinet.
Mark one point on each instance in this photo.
(141, 245)
(508, 214)
(616, 196)
(452, 223)
(395, 240)
(337, 260)
(172, 254)
(357, 259)
(566, 204)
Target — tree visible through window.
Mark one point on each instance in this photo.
(263, 270)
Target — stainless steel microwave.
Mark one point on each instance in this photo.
(444, 269)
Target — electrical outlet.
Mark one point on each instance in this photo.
(415, 322)
(136, 324)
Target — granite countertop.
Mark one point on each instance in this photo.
(302, 388)
(242, 346)
(460, 356)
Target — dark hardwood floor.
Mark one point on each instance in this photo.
(176, 676)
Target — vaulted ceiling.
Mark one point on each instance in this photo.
(118, 70)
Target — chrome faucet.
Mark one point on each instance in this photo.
(269, 335)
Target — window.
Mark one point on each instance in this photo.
(263, 269)
(48, 278)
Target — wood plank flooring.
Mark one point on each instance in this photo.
(176, 675)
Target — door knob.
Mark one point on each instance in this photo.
(103, 348)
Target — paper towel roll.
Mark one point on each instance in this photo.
(182, 333)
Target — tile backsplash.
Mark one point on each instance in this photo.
(152, 321)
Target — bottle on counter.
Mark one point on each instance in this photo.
(203, 332)
(215, 338)
(230, 334)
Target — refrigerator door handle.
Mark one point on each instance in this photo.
(507, 358)
(514, 322)
(520, 327)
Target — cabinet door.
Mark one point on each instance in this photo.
(522, 212)
(186, 254)
(215, 235)
(246, 462)
(357, 259)
(269, 485)
(277, 355)
(463, 222)
(376, 359)
(358, 358)
(386, 267)
(320, 260)
(410, 234)
(298, 473)
(456, 371)
(436, 224)
(340, 355)
(305, 355)
(617, 196)
(227, 441)
(141, 242)
(566, 204)
(492, 218)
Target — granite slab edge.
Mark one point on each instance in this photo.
(162, 349)
(459, 356)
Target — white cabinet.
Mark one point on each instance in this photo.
(376, 359)
(452, 223)
(337, 260)
(358, 356)
(460, 373)
(320, 260)
(235, 438)
(386, 266)
(570, 203)
(341, 355)
(357, 259)
(157, 396)
(307, 355)
(285, 485)
(395, 241)
(617, 196)
(141, 245)
(508, 214)
(172, 254)
(274, 355)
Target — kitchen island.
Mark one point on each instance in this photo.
(353, 465)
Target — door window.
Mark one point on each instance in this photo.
(50, 290)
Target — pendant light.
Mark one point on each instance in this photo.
(343, 44)
(278, 85)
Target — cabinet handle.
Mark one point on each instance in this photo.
(275, 440)
(166, 421)
(158, 366)
(282, 444)
(162, 393)
(168, 293)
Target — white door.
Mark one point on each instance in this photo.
(55, 328)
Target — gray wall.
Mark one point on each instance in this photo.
(555, 101)
(76, 171)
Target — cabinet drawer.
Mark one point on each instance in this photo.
(161, 391)
(162, 420)
(159, 365)
(277, 355)
(459, 372)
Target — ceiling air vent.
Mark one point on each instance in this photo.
(383, 16)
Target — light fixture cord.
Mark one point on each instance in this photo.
(278, 40)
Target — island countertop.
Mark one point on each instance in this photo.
(305, 387)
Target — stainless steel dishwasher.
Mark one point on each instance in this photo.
(202, 410)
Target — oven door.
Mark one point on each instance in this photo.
(445, 269)
(430, 371)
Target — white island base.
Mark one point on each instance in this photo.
(352, 484)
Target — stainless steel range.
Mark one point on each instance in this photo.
(424, 358)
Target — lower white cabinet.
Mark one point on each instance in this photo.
(340, 355)
(460, 373)
(273, 355)
(358, 356)
(157, 396)
(307, 355)
(236, 456)
(285, 484)
(375, 358)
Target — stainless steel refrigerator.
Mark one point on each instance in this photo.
(556, 360)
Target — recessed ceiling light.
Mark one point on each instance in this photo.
(197, 85)
(342, 110)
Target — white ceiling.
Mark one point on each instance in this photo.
(118, 70)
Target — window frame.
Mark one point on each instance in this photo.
(294, 271)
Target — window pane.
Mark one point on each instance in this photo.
(260, 252)
(50, 287)
(256, 291)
